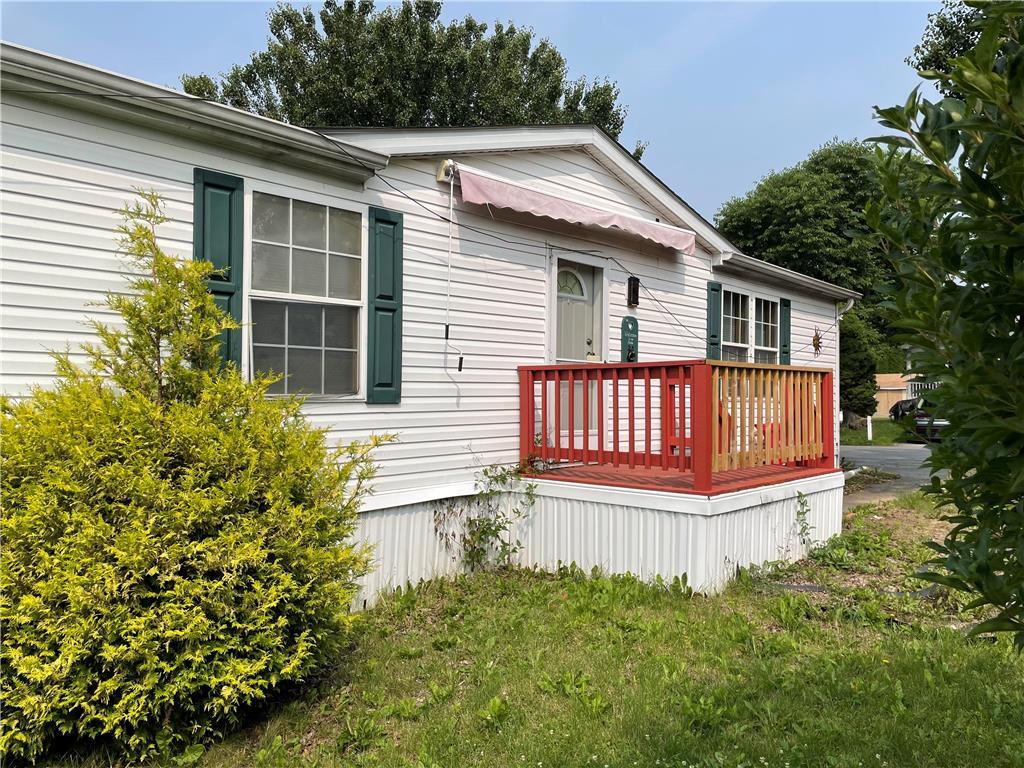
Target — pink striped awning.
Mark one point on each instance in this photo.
(485, 189)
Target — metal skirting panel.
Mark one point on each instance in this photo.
(765, 532)
(613, 538)
(704, 546)
(406, 549)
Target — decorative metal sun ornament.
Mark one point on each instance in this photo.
(816, 341)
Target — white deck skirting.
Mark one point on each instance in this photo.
(620, 530)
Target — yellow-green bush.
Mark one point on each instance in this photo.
(176, 544)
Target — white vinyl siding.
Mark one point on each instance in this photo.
(65, 173)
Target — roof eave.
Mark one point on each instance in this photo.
(428, 142)
(40, 75)
(742, 265)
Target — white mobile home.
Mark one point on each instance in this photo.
(490, 295)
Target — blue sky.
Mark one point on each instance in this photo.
(724, 92)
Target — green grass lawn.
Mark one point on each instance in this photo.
(833, 661)
(884, 432)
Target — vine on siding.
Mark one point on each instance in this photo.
(479, 527)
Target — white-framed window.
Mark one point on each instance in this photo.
(735, 326)
(743, 340)
(766, 331)
(305, 294)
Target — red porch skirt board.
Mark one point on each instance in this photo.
(672, 481)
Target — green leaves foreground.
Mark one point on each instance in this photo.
(176, 544)
(952, 220)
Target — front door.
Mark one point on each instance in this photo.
(576, 330)
(578, 334)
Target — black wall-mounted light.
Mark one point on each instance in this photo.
(633, 291)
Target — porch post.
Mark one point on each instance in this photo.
(701, 415)
(525, 414)
(828, 420)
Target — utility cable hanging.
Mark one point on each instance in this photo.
(450, 169)
(656, 300)
(334, 144)
(811, 343)
(338, 145)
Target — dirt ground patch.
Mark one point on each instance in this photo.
(876, 562)
(911, 519)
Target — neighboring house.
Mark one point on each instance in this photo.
(462, 288)
(892, 387)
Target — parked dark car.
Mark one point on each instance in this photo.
(926, 425)
(903, 408)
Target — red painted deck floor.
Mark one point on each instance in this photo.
(674, 481)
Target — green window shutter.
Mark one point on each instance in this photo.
(785, 312)
(217, 232)
(384, 309)
(714, 321)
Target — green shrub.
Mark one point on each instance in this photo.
(176, 544)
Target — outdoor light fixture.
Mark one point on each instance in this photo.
(633, 291)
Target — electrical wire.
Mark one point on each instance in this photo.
(486, 233)
(451, 227)
(448, 287)
(657, 301)
(334, 144)
(811, 343)
(338, 145)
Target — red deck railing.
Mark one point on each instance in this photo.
(691, 416)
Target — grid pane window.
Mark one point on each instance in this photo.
(346, 231)
(344, 280)
(313, 346)
(743, 340)
(766, 324)
(303, 248)
(766, 331)
(270, 267)
(735, 316)
(735, 325)
(569, 284)
(309, 251)
(735, 354)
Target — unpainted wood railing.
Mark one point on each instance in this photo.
(768, 414)
(686, 416)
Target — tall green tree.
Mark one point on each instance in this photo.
(857, 340)
(952, 31)
(956, 239)
(353, 65)
(805, 217)
(810, 218)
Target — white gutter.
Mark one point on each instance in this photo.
(739, 264)
(39, 75)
